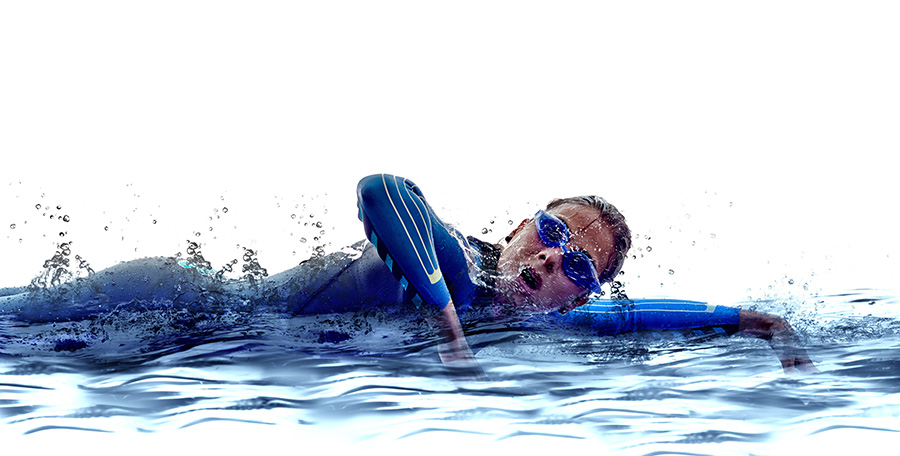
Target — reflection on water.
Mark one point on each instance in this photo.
(627, 393)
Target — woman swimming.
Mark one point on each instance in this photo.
(550, 265)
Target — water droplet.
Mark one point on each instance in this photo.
(225, 210)
(66, 218)
(37, 206)
(318, 224)
(791, 281)
(105, 228)
(62, 234)
(154, 221)
(58, 207)
(712, 235)
(197, 233)
(484, 231)
(671, 272)
(303, 240)
(12, 226)
(510, 222)
(649, 248)
(293, 216)
(210, 228)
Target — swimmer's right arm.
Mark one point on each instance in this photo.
(399, 223)
(453, 349)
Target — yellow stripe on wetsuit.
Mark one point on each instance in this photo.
(419, 245)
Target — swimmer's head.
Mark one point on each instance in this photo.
(531, 275)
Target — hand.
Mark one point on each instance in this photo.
(453, 349)
(781, 338)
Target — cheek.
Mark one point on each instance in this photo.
(561, 290)
(511, 257)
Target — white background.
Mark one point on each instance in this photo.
(751, 142)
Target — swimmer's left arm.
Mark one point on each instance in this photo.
(781, 338)
(609, 318)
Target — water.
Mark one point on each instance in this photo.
(164, 374)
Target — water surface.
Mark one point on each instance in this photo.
(637, 394)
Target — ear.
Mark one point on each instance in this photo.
(516, 231)
(575, 303)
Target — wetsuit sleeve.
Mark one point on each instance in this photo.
(400, 224)
(608, 317)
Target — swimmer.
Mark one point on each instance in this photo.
(551, 264)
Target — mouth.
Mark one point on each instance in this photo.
(530, 278)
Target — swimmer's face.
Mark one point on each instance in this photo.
(531, 276)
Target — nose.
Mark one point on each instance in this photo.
(551, 259)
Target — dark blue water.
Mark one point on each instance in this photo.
(370, 378)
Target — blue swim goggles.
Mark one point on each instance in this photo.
(577, 265)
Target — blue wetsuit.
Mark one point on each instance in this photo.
(411, 259)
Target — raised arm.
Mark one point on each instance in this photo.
(401, 225)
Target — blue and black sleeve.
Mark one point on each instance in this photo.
(610, 317)
(402, 226)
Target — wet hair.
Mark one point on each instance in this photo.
(617, 225)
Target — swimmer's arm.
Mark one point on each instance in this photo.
(781, 338)
(402, 227)
(453, 349)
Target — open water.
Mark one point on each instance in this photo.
(371, 380)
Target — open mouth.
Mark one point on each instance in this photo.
(529, 278)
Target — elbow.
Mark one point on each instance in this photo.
(376, 191)
(370, 193)
(371, 190)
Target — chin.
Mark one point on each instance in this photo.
(527, 307)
